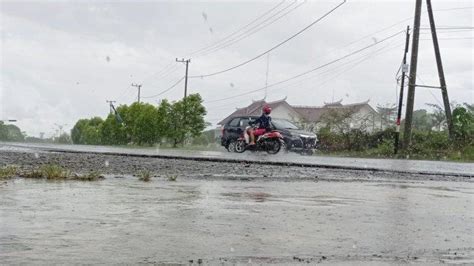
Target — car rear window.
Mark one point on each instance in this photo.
(245, 121)
(234, 122)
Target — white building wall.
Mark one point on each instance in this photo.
(368, 119)
(283, 112)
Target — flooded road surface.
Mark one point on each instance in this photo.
(123, 220)
(435, 167)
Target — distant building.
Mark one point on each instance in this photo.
(351, 116)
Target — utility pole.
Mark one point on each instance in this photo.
(111, 103)
(412, 78)
(60, 126)
(400, 102)
(187, 61)
(138, 86)
(439, 63)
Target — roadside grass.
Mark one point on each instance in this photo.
(172, 177)
(144, 176)
(7, 172)
(54, 172)
(35, 174)
(91, 176)
(465, 154)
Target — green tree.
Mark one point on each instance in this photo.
(63, 139)
(10, 133)
(3, 131)
(422, 120)
(438, 116)
(187, 119)
(164, 121)
(388, 113)
(113, 132)
(141, 123)
(463, 123)
(87, 131)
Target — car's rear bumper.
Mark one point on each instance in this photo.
(298, 144)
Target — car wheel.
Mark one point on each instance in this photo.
(231, 146)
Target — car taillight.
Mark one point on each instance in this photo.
(222, 131)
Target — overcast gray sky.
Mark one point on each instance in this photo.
(61, 60)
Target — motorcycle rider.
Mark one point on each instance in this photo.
(264, 124)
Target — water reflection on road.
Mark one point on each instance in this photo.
(122, 220)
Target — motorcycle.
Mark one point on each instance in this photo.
(271, 142)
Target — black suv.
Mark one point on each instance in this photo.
(295, 139)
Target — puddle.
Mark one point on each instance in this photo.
(124, 220)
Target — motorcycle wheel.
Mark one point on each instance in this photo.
(239, 146)
(273, 146)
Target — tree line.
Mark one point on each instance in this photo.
(144, 124)
(10, 133)
(429, 138)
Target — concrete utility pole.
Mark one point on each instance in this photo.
(138, 86)
(60, 126)
(187, 61)
(110, 105)
(439, 63)
(400, 102)
(412, 78)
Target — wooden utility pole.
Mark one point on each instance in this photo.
(402, 86)
(138, 87)
(439, 63)
(186, 76)
(412, 78)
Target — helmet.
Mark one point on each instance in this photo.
(267, 109)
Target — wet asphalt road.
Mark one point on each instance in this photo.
(410, 166)
(123, 220)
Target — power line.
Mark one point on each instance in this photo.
(167, 70)
(449, 28)
(274, 47)
(164, 91)
(404, 20)
(314, 69)
(240, 29)
(255, 30)
(357, 61)
(454, 38)
(125, 92)
(171, 67)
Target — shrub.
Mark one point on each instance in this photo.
(7, 172)
(144, 176)
(33, 174)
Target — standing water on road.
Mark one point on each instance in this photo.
(122, 220)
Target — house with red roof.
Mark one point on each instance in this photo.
(350, 116)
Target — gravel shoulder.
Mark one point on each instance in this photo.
(121, 165)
